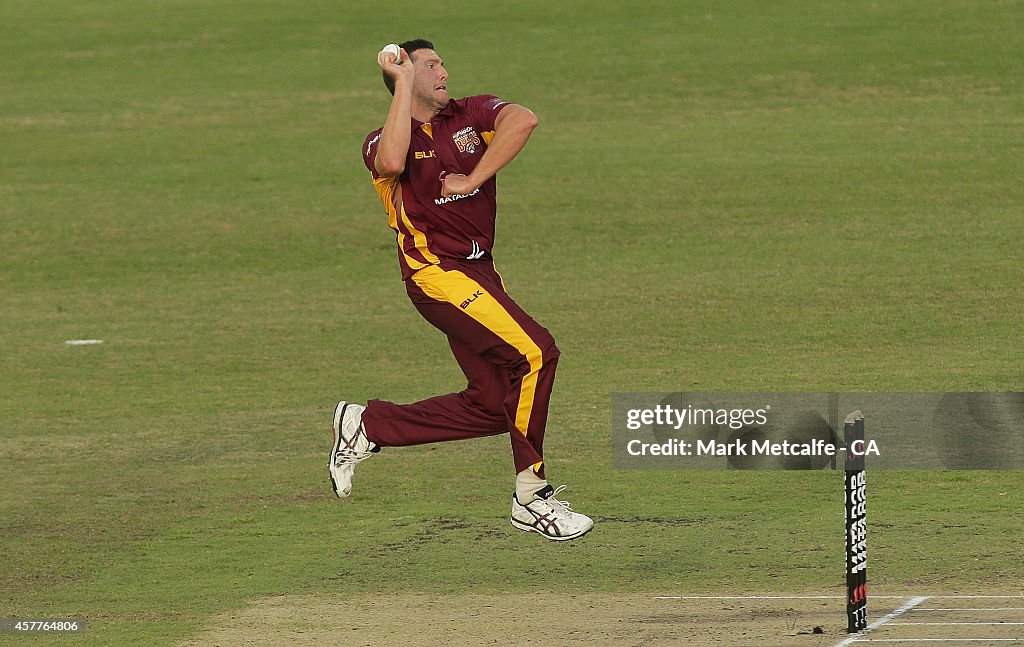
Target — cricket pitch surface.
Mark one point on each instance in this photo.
(606, 619)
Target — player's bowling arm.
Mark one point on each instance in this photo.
(395, 138)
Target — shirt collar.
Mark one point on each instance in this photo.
(443, 113)
(446, 111)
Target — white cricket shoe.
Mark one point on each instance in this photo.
(350, 446)
(549, 517)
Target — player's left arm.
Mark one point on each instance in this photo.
(512, 128)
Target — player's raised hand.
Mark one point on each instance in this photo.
(394, 61)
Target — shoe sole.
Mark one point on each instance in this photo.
(339, 415)
(528, 528)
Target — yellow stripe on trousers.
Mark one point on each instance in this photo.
(454, 287)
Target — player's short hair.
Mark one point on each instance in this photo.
(409, 46)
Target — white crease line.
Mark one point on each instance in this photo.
(969, 609)
(841, 597)
(772, 597)
(979, 597)
(952, 624)
(884, 619)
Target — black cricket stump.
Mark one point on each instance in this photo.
(856, 525)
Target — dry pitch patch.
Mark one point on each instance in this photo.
(606, 619)
(602, 619)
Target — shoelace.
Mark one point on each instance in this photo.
(345, 455)
(562, 508)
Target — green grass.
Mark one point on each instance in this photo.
(721, 196)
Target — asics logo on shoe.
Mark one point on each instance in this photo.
(549, 517)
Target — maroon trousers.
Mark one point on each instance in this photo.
(508, 358)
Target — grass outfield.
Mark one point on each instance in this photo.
(746, 196)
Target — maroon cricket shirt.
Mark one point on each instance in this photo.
(430, 229)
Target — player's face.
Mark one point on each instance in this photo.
(430, 84)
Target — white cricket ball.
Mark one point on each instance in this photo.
(393, 49)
